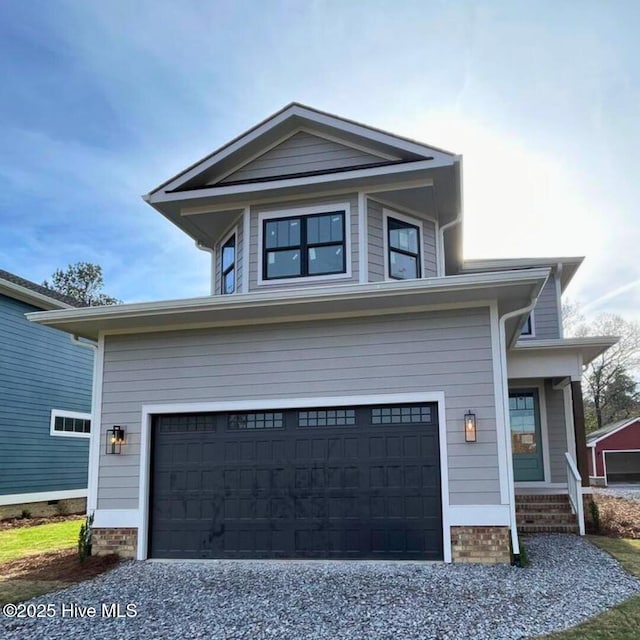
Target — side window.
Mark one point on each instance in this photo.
(70, 423)
(403, 241)
(528, 329)
(228, 265)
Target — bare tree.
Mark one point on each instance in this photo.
(610, 388)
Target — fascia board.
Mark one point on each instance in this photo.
(13, 290)
(593, 443)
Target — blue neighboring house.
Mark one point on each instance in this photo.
(45, 405)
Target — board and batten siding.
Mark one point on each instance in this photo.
(40, 370)
(256, 251)
(375, 238)
(546, 320)
(301, 153)
(448, 351)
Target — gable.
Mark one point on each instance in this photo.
(303, 153)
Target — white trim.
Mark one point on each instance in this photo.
(479, 515)
(541, 488)
(395, 207)
(41, 496)
(29, 296)
(544, 431)
(363, 238)
(593, 462)
(352, 145)
(604, 460)
(62, 413)
(233, 231)
(96, 427)
(557, 278)
(306, 181)
(246, 248)
(439, 249)
(501, 425)
(620, 428)
(125, 518)
(568, 420)
(149, 410)
(309, 115)
(415, 222)
(305, 211)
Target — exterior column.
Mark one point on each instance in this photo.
(579, 431)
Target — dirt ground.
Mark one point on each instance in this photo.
(619, 517)
(15, 523)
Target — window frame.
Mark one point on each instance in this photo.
(410, 220)
(62, 413)
(305, 212)
(232, 235)
(531, 322)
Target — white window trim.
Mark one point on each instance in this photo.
(416, 222)
(305, 211)
(61, 413)
(604, 461)
(218, 286)
(529, 336)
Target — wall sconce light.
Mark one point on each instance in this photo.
(115, 439)
(469, 427)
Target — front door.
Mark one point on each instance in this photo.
(526, 437)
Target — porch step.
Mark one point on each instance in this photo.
(539, 513)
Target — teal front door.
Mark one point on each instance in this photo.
(526, 437)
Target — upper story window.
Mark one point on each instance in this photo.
(305, 245)
(70, 423)
(228, 270)
(403, 245)
(528, 330)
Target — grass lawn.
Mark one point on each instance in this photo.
(35, 560)
(621, 622)
(26, 541)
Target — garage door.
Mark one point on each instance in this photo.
(623, 466)
(356, 482)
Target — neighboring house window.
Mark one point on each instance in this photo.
(403, 241)
(228, 284)
(527, 330)
(311, 245)
(70, 423)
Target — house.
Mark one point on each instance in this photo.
(45, 405)
(347, 389)
(614, 452)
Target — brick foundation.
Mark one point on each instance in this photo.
(44, 509)
(489, 545)
(123, 541)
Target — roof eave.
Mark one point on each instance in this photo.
(33, 298)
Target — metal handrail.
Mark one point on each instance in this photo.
(574, 485)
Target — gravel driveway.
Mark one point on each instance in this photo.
(569, 580)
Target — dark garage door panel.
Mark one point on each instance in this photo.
(358, 491)
(623, 466)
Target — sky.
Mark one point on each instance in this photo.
(102, 101)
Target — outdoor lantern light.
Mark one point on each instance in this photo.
(115, 439)
(469, 427)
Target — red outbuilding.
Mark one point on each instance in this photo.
(614, 452)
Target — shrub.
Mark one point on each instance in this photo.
(84, 539)
(594, 513)
(26, 514)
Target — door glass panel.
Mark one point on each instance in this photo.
(522, 414)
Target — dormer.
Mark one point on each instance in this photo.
(306, 199)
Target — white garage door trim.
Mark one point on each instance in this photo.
(148, 411)
(604, 460)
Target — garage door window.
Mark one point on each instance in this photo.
(327, 418)
(401, 415)
(245, 421)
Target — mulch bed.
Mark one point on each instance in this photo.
(62, 566)
(17, 523)
(619, 517)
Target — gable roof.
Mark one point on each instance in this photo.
(287, 121)
(609, 429)
(35, 294)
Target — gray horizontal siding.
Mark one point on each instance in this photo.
(40, 370)
(301, 153)
(440, 351)
(256, 255)
(547, 322)
(557, 429)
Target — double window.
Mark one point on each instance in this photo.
(228, 265)
(306, 245)
(403, 242)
